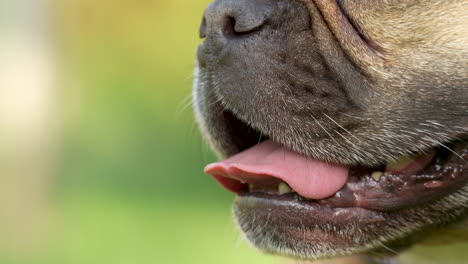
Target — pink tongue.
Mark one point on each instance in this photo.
(267, 162)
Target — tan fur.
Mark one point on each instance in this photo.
(396, 76)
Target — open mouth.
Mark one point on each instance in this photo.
(268, 171)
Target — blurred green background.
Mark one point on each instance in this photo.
(129, 187)
(118, 178)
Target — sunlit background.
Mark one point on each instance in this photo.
(100, 158)
(101, 161)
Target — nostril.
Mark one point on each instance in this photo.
(248, 23)
(235, 18)
(234, 27)
(229, 27)
(202, 32)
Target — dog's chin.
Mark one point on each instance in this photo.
(379, 210)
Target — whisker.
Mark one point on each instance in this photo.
(347, 131)
(387, 248)
(326, 131)
(184, 104)
(449, 149)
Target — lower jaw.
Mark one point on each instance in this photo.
(288, 212)
(295, 210)
(313, 231)
(288, 226)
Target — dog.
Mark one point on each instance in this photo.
(340, 124)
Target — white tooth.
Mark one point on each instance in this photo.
(376, 175)
(399, 163)
(283, 188)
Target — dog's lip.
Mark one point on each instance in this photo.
(392, 192)
(395, 192)
(289, 213)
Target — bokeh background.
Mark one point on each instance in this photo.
(117, 176)
(100, 158)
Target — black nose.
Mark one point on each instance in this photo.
(231, 18)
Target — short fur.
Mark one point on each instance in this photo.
(352, 82)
